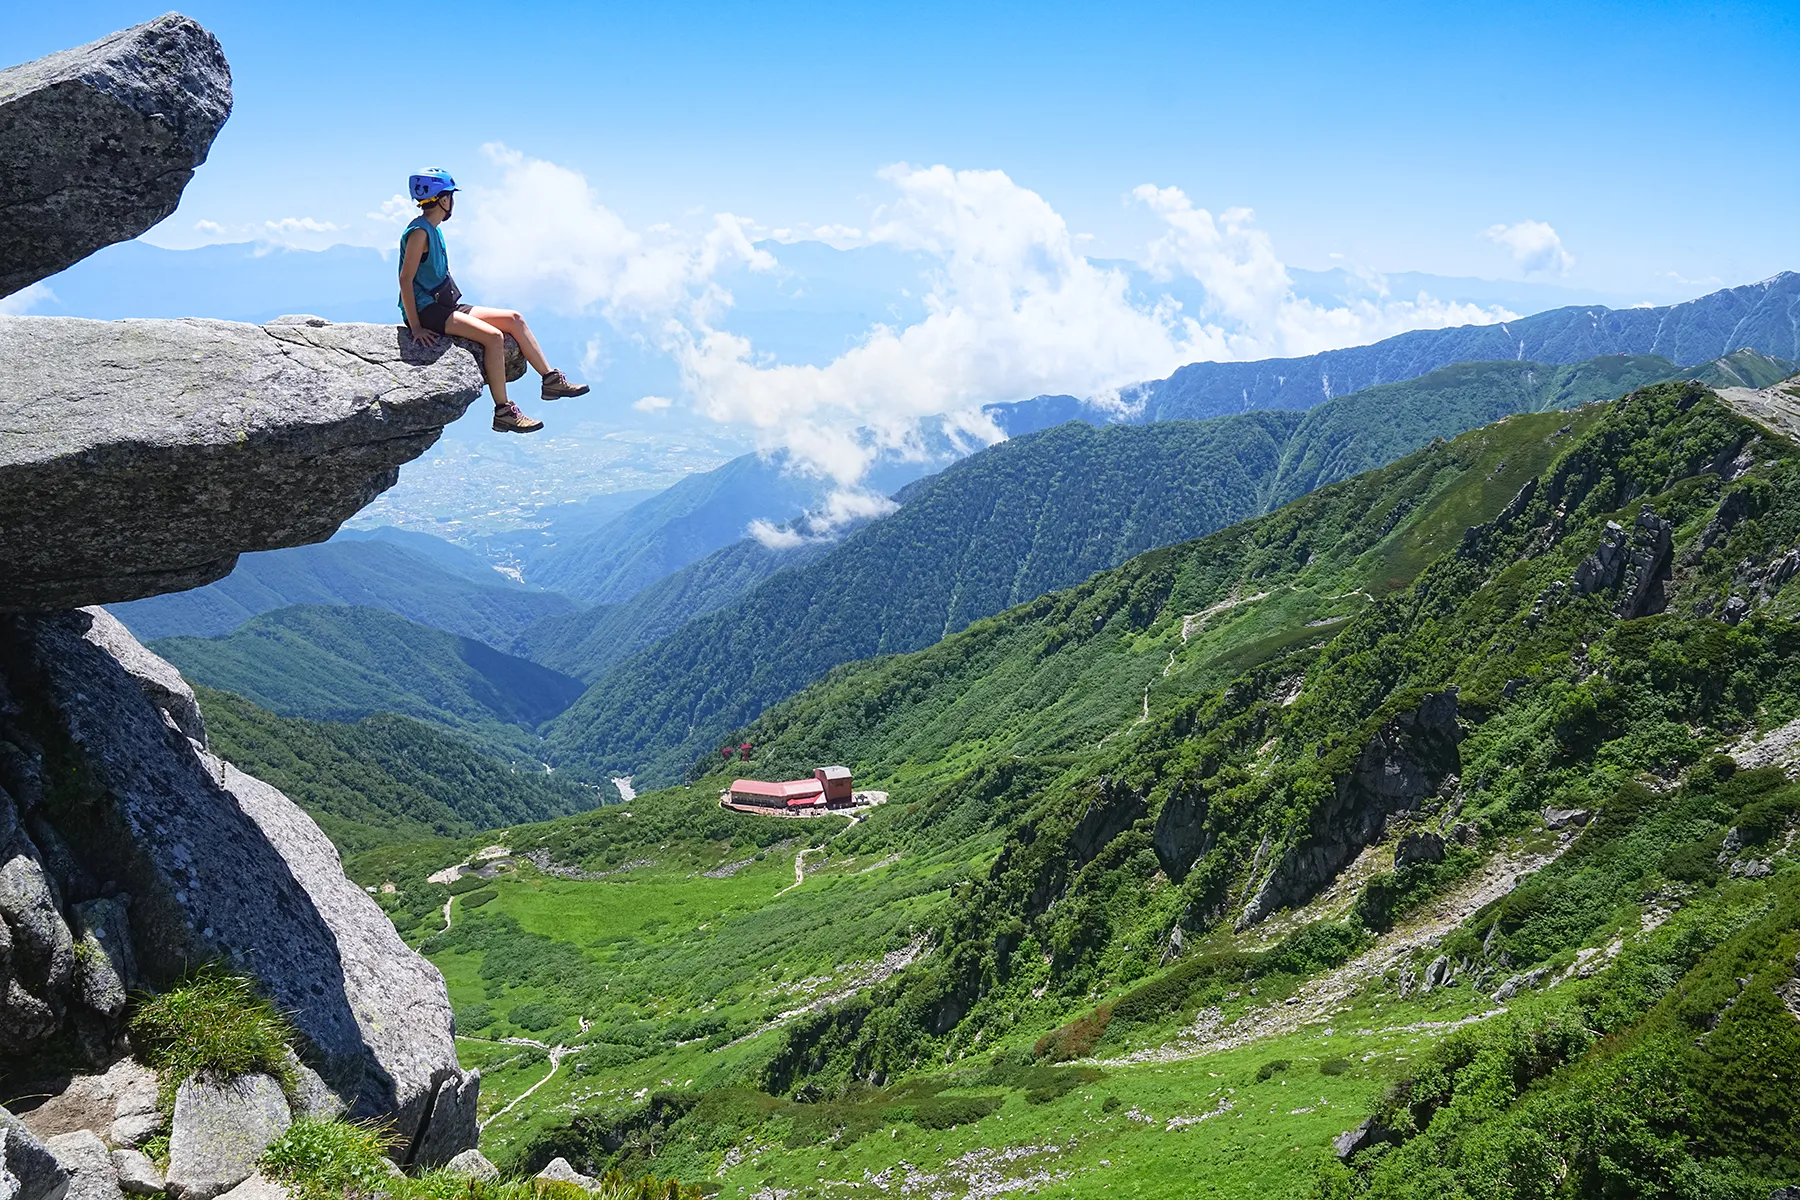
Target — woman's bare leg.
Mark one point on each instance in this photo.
(508, 321)
(493, 347)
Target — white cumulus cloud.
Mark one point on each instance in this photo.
(1534, 246)
(26, 299)
(541, 236)
(1013, 307)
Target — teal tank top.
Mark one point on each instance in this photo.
(433, 268)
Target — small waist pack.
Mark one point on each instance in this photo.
(447, 293)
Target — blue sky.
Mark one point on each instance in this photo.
(1016, 200)
(1658, 140)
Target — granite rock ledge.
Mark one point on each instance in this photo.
(140, 457)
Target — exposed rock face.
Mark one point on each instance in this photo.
(157, 451)
(1181, 836)
(99, 141)
(1421, 847)
(1635, 565)
(1402, 766)
(217, 865)
(220, 1131)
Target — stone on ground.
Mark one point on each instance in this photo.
(313, 1098)
(474, 1164)
(138, 1176)
(220, 1131)
(560, 1171)
(89, 1163)
(99, 141)
(258, 1187)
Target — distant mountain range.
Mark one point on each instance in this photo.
(343, 664)
(1761, 316)
(998, 529)
(417, 576)
(384, 778)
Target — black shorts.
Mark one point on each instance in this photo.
(433, 316)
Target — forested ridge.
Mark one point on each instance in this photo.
(1023, 518)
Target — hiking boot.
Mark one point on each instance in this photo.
(508, 419)
(557, 385)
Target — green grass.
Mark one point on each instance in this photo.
(323, 1160)
(214, 1024)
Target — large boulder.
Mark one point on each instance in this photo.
(220, 1131)
(37, 950)
(28, 1171)
(144, 456)
(219, 865)
(99, 141)
(138, 1176)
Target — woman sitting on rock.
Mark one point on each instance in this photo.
(430, 300)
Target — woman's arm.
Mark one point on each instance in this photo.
(410, 257)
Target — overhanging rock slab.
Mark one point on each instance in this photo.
(140, 457)
(99, 141)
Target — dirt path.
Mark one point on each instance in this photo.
(896, 960)
(1193, 623)
(557, 1054)
(447, 904)
(1320, 997)
(800, 868)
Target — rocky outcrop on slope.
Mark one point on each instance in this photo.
(1634, 564)
(99, 141)
(1398, 771)
(121, 823)
(143, 456)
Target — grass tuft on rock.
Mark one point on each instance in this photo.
(214, 1024)
(318, 1159)
(324, 1160)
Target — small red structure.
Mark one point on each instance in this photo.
(828, 788)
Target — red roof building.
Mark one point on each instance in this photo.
(828, 788)
(775, 795)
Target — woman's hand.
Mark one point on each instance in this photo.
(425, 337)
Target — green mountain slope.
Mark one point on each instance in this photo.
(584, 643)
(1544, 661)
(1027, 516)
(672, 529)
(1421, 818)
(438, 585)
(1742, 368)
(384, 778)
(342, 664)
(1041, 680)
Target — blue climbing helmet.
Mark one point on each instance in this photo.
(430, 183)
